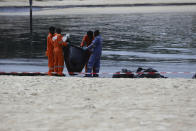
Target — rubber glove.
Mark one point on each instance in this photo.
(54, 38)
(66, 38)
(85, 48)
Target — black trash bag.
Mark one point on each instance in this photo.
(194, 77)
(124, 74)
(75, 59)
(148, 73)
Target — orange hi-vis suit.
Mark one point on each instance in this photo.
(58, 54)
(86, 41)
(50, 54)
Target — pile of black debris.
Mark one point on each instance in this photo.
(140, 73)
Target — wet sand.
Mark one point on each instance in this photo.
(100, 104)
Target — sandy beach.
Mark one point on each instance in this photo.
(87, 9)
(102, 10)
(100, 104)
(85, 2)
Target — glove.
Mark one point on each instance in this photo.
(85, 48)
(54, 38)
(66, 38)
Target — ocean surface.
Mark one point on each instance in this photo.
(163, 41)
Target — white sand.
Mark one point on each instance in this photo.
(108, 10)
(101, 104)
(99, 10)
(117, 10)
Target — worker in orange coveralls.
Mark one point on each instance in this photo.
(59, 41)
(86, 41)
(50, 49)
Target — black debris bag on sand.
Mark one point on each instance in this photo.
(75, 59)
(148, 73)
(140, 73)
(124, 73)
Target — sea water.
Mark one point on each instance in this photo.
(163, 41)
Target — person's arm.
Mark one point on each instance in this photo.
(93, 44)
(46, 53)
(64, 43)
(61, 41)
(83, 41)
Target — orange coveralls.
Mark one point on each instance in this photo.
(58, 54)
(50, 54)
(86, 41)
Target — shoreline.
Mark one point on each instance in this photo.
(104, 10)
(96, 7)
(100, 5)
(90, 2)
